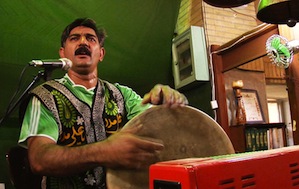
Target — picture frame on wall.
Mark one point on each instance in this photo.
(252, 106)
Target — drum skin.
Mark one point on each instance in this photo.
(186, 132)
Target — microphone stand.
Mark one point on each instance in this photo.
(45, 74)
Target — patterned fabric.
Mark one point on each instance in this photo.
(77, 106)
(79, 124)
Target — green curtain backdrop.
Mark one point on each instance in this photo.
(138, 47)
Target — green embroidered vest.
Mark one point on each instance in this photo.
(79, 124)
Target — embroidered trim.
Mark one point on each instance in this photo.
(92, 119)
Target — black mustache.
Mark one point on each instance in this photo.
(83, 50)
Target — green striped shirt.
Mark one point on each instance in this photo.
(39, 121)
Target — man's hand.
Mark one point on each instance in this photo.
(127, 150)
(163, 94)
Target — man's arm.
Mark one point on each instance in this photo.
(122, 149)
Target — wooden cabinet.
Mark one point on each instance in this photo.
(255, 137)
(237, 52)
(246, 48)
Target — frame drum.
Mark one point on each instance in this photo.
(186, 132)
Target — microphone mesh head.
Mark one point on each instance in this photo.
(67, 63)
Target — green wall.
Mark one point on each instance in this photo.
(138, 48)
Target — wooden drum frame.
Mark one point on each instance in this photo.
(186, 132)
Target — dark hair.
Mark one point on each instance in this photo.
(87, 22)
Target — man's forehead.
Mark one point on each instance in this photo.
(82, 30)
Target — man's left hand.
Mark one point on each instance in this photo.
(163, 94)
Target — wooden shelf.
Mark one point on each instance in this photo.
(238, 134)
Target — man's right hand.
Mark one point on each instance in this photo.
(127, 150)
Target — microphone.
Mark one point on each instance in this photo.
(62, 63)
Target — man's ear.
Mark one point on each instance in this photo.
(102, 54)
(61, 52)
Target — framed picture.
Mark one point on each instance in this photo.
(252, 106)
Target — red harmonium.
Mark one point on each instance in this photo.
(277, 168)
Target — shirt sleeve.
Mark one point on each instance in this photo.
(38, 121)
(132, 101)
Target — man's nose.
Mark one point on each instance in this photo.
(83, 40)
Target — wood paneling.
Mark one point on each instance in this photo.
(273, 74)
(237, 52)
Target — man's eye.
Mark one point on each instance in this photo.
(74, 38)
(91, 39)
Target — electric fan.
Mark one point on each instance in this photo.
(281, 51)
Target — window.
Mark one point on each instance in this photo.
(274, 109)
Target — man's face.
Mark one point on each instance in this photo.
(82, 47)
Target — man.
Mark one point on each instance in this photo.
(70, 125)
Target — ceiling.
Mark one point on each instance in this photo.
(138, 47)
